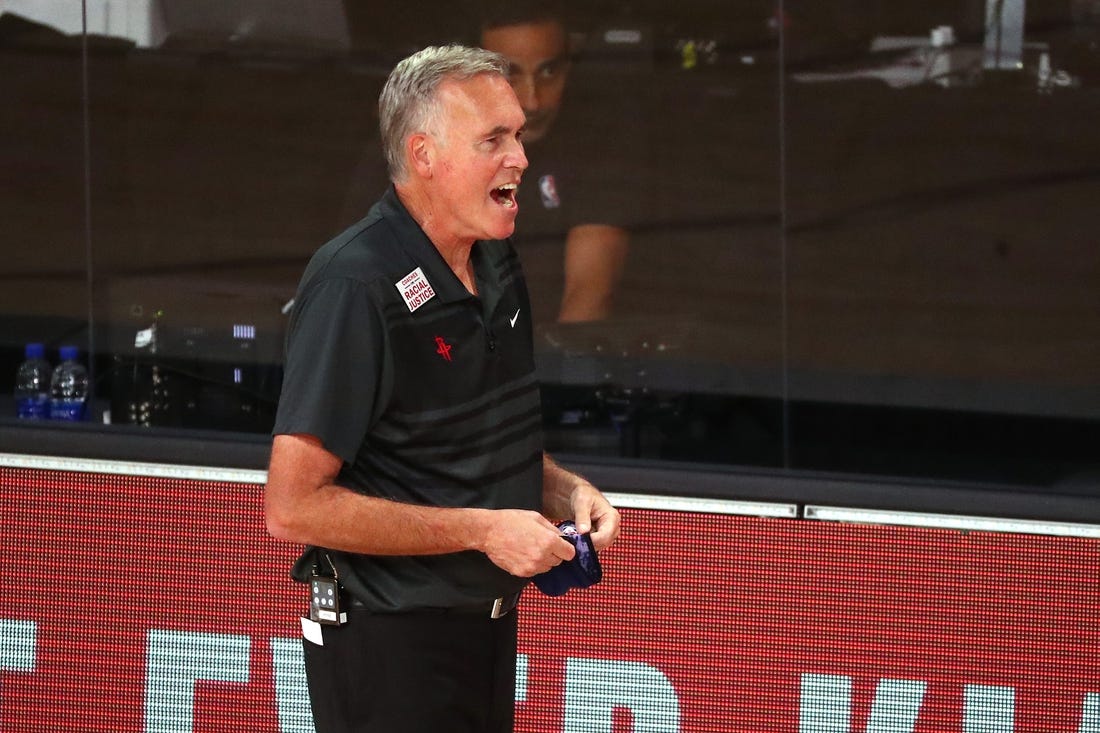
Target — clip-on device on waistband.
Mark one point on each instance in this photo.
(324, 597)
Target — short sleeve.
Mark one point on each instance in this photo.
(334, 365)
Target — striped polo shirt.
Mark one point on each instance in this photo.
(426, 392)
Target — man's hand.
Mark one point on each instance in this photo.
(524, 543)
(568, 496)
(593, 513)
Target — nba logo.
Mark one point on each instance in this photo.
(549, 192)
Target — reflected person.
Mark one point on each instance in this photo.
(560, 197)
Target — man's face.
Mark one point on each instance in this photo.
(539, 61)
(479, 158)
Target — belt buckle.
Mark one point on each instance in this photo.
(498, 608)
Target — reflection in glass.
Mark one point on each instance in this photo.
(853, 242)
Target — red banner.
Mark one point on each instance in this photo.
(131, 603)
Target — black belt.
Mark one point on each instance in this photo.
(495, 608)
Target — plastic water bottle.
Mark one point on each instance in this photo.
(68, 387)
(32, 384)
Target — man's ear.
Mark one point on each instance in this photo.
(421, 152)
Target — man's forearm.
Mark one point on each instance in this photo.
(558, 485)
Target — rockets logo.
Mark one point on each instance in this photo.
(443, 348)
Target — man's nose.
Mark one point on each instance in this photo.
(517, 157)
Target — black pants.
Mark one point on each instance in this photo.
(414, 673)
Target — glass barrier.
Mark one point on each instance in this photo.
(44, 159)
(810, 236)
(942, 279)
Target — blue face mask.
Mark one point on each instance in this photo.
(580, 572)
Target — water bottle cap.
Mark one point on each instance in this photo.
(35, 351)
(69, 353)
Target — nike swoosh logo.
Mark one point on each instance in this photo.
(513, 319)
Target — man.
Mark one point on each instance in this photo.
(532, 36)
(408, 454)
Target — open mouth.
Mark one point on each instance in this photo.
(505, 195)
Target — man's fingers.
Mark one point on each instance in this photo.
(607, 529)
(564, 550)
(582, 511)
(583, 520)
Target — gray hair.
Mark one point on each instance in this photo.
(408, 101)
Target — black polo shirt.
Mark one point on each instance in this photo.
(426, 392)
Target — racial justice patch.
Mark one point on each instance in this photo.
(415, 289)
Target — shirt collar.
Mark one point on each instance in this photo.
(448, 288)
